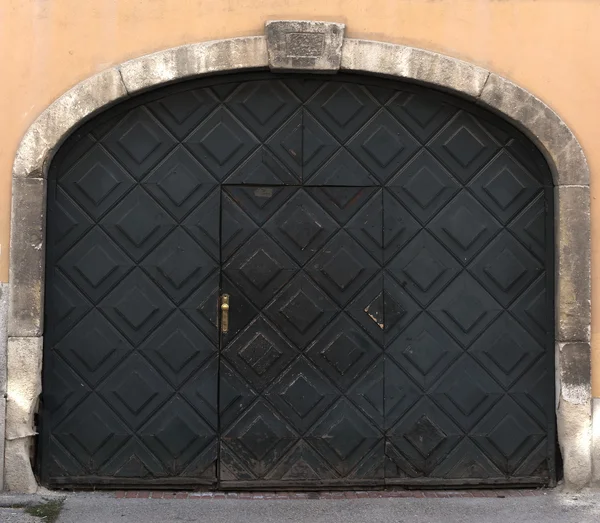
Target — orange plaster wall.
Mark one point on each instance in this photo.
(549, 47)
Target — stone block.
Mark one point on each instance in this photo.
(299, 45)
(3, 339)
(596, 442)
(193, 60)
(27, 257)
(574, 423)
(2, 438)
(59, 119)
(18, 472)
(541, 124)
(408, 63)
(24, 386)
(573, 251)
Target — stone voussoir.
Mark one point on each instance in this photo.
(61, 117)
(409, 63)
(192, 60)
(543, 125)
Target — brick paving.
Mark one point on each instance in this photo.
(163, 494)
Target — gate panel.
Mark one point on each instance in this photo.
(470, 253)
(130, 369)
(301, 371)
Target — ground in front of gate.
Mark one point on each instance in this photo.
(491, 506)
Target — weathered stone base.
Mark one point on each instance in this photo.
(24, 388)
(596, 442)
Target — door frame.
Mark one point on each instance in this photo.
(328, 52)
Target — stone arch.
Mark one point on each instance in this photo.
(317, 47)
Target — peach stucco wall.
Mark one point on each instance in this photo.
(549, 47)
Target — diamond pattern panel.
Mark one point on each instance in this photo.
(136, 306)
(465, 309)
(96, 182)
(423, 186)
(505, 268)
(466, 392)
(259, 353)
(262, 105)
(423, 268)
(464, 146)
(342, 108)
(342, 268)
(176, 434)
(178, 264)
(258, 438)
(92, 433)
(507, 435)
(343, 436)
(383, 146)
(420, 113)
(179, 183)
(302, 393)
(464, 227)
(301, 226)
(138, 223)
(260, 268)
(177, 349)
(95, 264)
(221, 142)
(423, 437)
(343, 352)
(301, 310)
(138, 142)
(506, 350)
(93, 347)
(391, 332)
(183, 111)
(135, 390)
(424, 350)
(504, 187)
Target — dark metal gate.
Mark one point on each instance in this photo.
(386, 251)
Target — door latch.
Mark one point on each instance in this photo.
(224, 313)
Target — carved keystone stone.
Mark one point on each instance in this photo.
(295, 45)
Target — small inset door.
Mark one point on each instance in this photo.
(301, 388)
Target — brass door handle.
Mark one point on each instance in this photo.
(224, 313)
